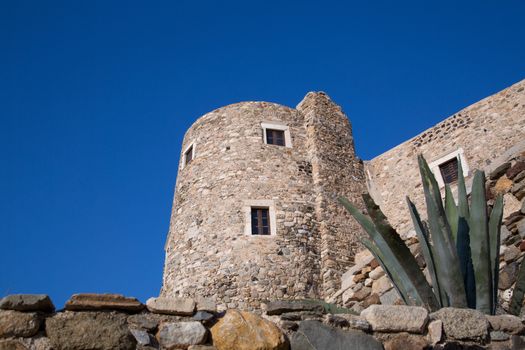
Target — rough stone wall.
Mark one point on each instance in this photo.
(484, 130)
(209, 252)
(336, 172)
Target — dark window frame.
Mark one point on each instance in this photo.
(449, 170)
(275, 137)
(258, 217)
(188, 155)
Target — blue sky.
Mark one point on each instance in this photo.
(96, 95)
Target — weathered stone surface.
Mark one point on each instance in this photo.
(171, 306)
(499, 336)
(203, 316)
(180, 335)
(313, 335)
(37, 342)
(94, 302)
(376, 273)
(506, 323)
(18, 324)
(502, 186)
(243, 331)
(205, 304)
(462, 324)
(381, 285)
(372, 299)
(89, 330)
(435, 331)
(281, 306)
(520, 226)
(356, 322)
(507, 276)
(511, 253)
(202, 347)
(147, 322)
(142, 337)
(396, 318)
(406, 341)
(27, 302)
(499, 171)
(11, 344)
(515, 170)
(390, 298)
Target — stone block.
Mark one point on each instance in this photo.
(435, 331)
(396, 318)
(382, 285)
(180, 335)
(12, 344)
(462, 324)
(506, 323)
(171, 306)
(390, 298)
(515, 169)
(507, 276)
(18, 324)
(94, 302)
(499, 171)
(376, 273)
(406, 341)
(27, 302)
(281, 306)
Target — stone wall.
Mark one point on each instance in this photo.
(113, 322)
(366, 284)
(209, 251)
(483, 131)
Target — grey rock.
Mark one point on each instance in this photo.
(499, 171)
(435, 331)
(462, 324)
(511, 254)
(171, 306)
(396, 318)
(89, 330)
(146, 322)
(203, 316)
(356, 322)
(506, 323)
(18, 324)
(11, 344)
(505, 233)
(507, 276)
(205, 304)
(522, 207)
(176, 335)
(499, 336)
(390, 297)
(313, 335)
(27, 302)
(142, 337)
(282, 306)
(520, 226)
(202, 347)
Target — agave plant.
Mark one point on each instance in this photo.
(459, 242)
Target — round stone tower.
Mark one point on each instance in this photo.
(255, 215)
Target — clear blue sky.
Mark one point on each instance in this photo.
(95, 97)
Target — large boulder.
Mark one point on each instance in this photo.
(180, 335)
(89, 330)
(313, 335)
(27, 302)
(18, 324)
(396, 318)
(171, 306)
(94, 302)
(462, 324)
(242, 330)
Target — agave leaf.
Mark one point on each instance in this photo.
(424, 293)
(406, 287)
(496, 216)
(479, 245)
(463, 209)
(519, 290)
(452, 212)
(391, 269)
(446, 258)
(426, 249)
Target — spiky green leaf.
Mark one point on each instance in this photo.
(519, 291)
(496, 216)
(451, 211)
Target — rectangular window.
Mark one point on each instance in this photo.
(449, 170)
(260, 221)
(275, 137)
(188, 155)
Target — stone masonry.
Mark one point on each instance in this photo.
(210, 250)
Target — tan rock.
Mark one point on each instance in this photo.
(506, 323)
(93, 302)
(171, 306)
(462, 324)
(11, 344)
(435, 331)
(376, 273)
(396, 318)
(406, 341)
(18, 324)
(503, 185)
(381, 285)
(510, 204)
(242, 330)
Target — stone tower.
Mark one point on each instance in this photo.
(254, 214)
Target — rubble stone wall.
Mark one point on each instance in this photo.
(210, 251)
(483, 132)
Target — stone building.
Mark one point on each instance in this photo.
(255, 215)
